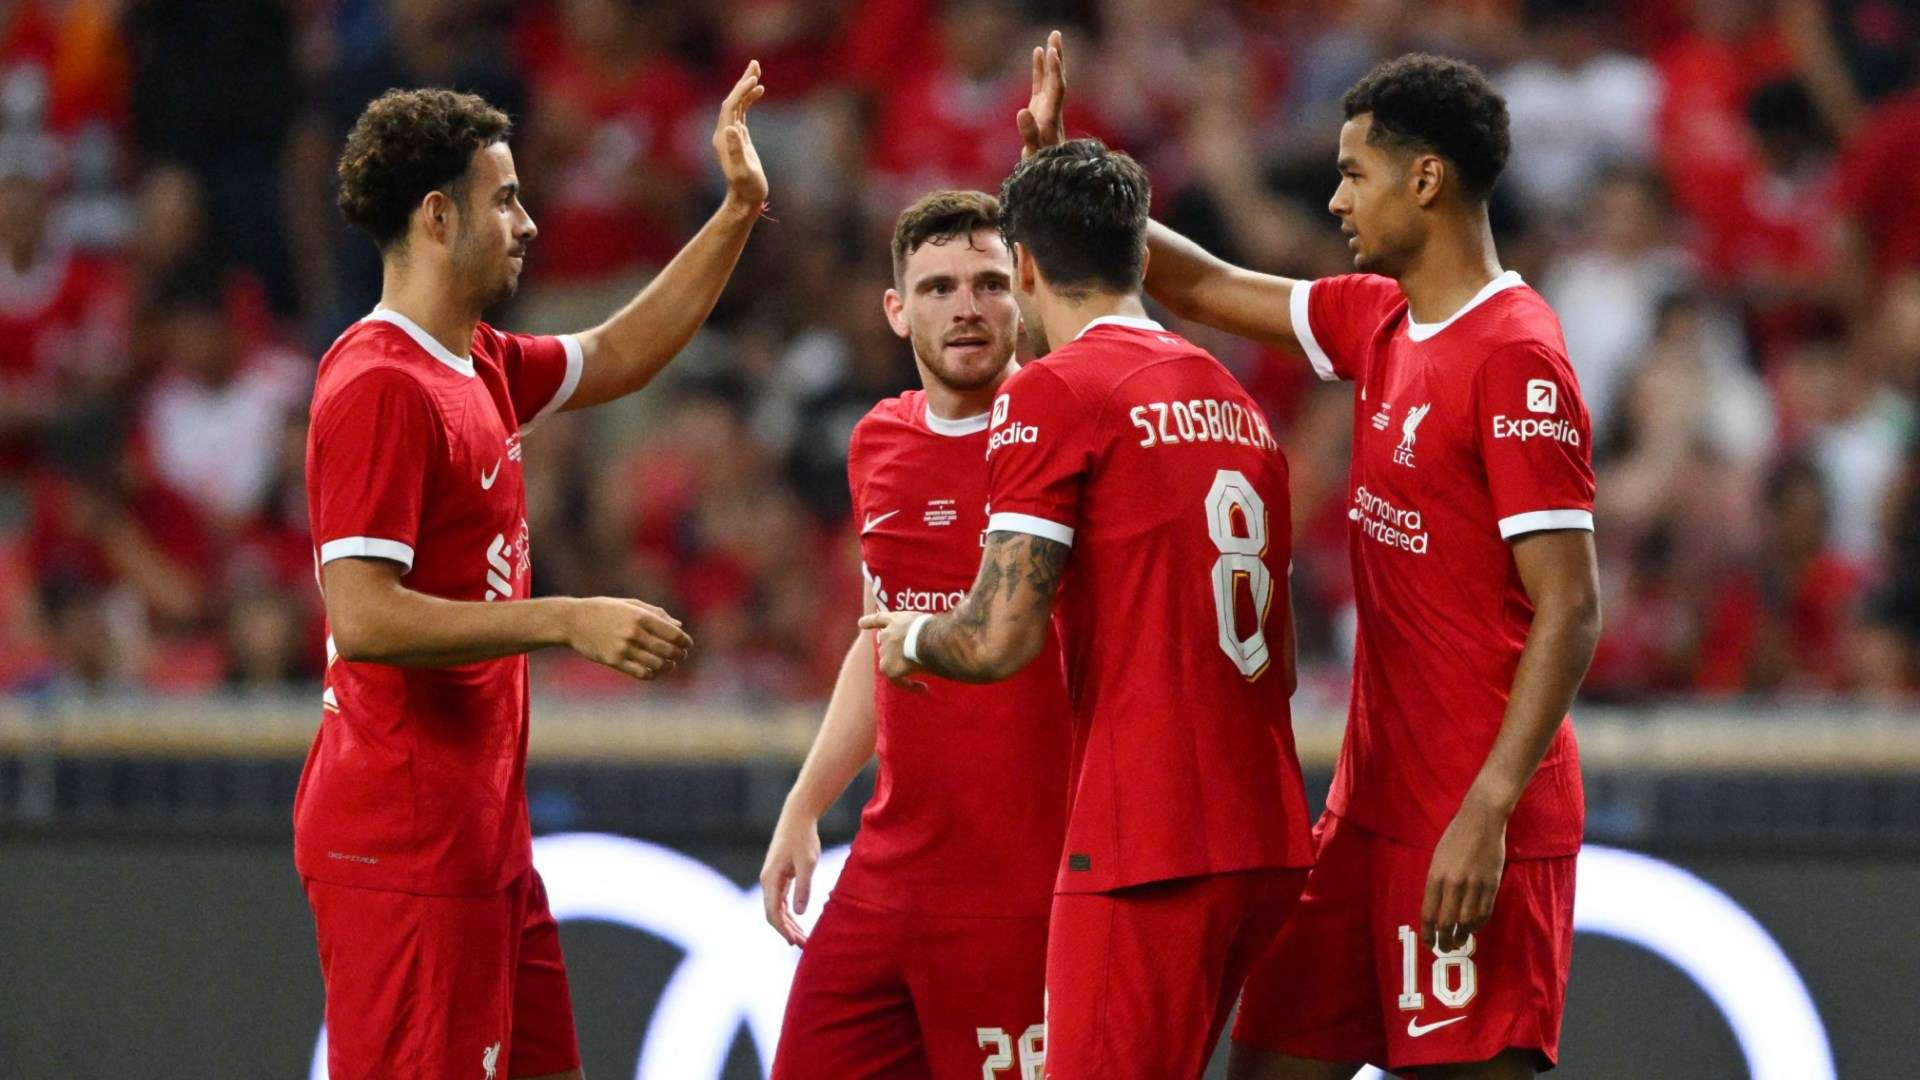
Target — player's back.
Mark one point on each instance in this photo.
(1142, 452)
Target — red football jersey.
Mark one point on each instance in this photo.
(970, 805)
(1139, 450)
(1467, 433)
(416, 780)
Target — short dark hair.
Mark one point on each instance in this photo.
(1081, 210)
(406, 144)
(937, 217)
(1441, 106)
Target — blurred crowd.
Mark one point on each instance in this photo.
(1721, 198)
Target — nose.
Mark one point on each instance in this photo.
(969, 305)
(528, 230)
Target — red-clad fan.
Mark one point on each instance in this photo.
(929, 960)
(438, 952)
(1134, 478)
(1437, 926)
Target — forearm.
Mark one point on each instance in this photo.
(411, 629)
(846, 738)
(1559, 647)
(624, 353)
(962, 647)
(1195, 284)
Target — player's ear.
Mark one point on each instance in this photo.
(895, 306)
(437, 216)
(1428, 175)
(1024, 274)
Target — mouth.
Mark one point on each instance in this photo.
(967, 341)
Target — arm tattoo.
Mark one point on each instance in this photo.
(1001, 623)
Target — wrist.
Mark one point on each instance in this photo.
(910, 648)
(556, 621)
(738, 211)
(1490, 801)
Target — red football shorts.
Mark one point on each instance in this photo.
(894, 995)
(470, 986)
(1140, 980)
(1349, 979)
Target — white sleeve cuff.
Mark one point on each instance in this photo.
(576, 363)
(1539, 520)
(1303, 330)
(366, 547)
(1033, 526)
(911, 647)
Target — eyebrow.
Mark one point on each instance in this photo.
(508, 189)
(931, 281)
(1347, 163)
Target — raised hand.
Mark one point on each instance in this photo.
(1043, 121)
(630, 636)
(733, 144)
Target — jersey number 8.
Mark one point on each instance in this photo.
(1233, 508)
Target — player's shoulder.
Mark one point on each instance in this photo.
(892, 417)
(1519, 325)
(1354, 295)
(890, 425)
(370, 356)
(1107, 353)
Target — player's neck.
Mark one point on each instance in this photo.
(1064, 319)
(948, 403)
(431, 307)
(1450, 270)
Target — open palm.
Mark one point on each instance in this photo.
(733, 143)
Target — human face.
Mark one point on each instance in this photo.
(956, 306)
(1377, 201)
(490, 245)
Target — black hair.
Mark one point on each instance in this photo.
(408, 143)
(1081, 210)
(1441, 106)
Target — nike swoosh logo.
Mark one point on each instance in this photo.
(1415, 1028)
(487, 478)
(872, 521)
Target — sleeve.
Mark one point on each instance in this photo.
(1535, 440)
(542, 371)
(1037, 456)
(372, 443)
(1334, 318)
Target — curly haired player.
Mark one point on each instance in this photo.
(438, 952)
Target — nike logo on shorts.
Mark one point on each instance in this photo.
(487, 478)
(1415, 1028)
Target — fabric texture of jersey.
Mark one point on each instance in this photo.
(1347, 980)
(893, 995)
(1467, 434)
(1140, 451)
(1140, 981)
(463, 986)
(970, 803)
(416, 779)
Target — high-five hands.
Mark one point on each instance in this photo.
(733, 144)
(1043, 121)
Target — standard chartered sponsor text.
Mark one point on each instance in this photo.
(1385, 523)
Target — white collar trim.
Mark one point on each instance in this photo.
(461, 364)
(1129, 321)
(1419, 331)
(966, 425)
